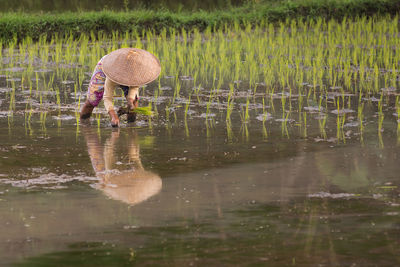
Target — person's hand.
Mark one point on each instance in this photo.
(121, 111)
(114, 118)
(133, 103)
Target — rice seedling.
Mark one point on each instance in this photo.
(187, 129)
(144, 111)
(381, 117)
(322, 124)
(208, 108)
(245, 132)
(360, 117)
(347, 58)
(10, 120)
(208, 129)
(264, 131)
(187, 104)
(244, 115)
(98, 120)
(42, 120)
(229, 132)
(12, 99)
(230, 104)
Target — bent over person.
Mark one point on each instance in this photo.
(127, 68)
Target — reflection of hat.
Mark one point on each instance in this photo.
(131, 66)
(131, 187)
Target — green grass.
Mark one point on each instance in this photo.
(21, 25)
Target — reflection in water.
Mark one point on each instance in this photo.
(130, 186)
(273, 203)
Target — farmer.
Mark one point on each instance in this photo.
(127, 68)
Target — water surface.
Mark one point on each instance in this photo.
(305, 175)
(158, 196)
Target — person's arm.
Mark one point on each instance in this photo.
(109, 87)
(133, 97)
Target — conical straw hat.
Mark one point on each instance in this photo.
(131, 66)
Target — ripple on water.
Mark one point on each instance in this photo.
(15, 69)
(47, 181)
(352, 124)
(186, 78)
(331, 195)
(64, 117)
(5, 89)
(165, 88)
(342, 111)
(4, 114)
(264, 117)
(205, 115)
(314, 109)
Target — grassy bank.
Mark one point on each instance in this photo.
(21, 25)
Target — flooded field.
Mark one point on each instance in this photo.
(268, 146)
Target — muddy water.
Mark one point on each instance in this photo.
(159, 195)
(192, 190)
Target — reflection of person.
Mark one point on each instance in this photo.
(128, 68)
(129, 186)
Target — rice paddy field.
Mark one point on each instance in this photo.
(268, 144)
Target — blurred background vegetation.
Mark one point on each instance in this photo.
(19, 19)
(119, 5)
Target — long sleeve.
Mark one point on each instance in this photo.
(133, 92)
(109, 87)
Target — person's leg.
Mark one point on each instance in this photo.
(86, 110)
(95, 92)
